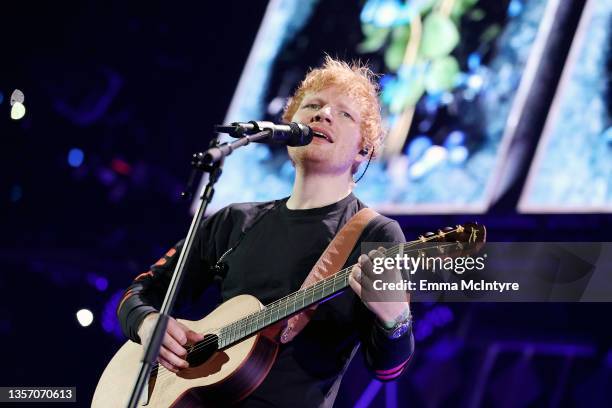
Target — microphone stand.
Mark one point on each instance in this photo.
(210, 161)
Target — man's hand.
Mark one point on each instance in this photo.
(389, 308)
(172, 353)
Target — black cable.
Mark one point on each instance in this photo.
(367, 165)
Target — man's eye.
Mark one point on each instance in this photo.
(347, 115)
(312, 106)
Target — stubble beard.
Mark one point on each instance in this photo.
(316, 158)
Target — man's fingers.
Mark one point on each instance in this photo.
(177, 332)
(194, 337)
(367, 267)
(354, 278)
(172, 358)
(365, 263)
(167, 365)
(171, 344)
(377, 253)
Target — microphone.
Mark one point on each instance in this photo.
(290, 134)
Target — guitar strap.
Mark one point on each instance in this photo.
(330, 262)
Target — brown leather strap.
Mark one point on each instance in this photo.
(330, 262)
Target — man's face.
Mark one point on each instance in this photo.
(335, 118)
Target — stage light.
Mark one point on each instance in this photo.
(120, 166)
(1, 97)
(381, 13)
(17, 96)
(514, 8)
(454, 138)
(433, 157)
(75, 157)
(101, 284)
(17, 111)
(475, 82)
(85, 317)
(385, 15)
(417, 147)
(473, 61)
(97, 281)
(458, 154)
(447, 98)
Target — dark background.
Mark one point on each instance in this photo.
(138, 88)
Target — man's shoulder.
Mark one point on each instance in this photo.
(250, 207)
(237, 216)
(383, 229)
(244, 213)
(379, 222)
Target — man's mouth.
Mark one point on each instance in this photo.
(322, 135)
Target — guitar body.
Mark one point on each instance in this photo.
(223, 377)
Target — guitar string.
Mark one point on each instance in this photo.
(345, 271)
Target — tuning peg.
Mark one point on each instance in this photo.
(426, 237)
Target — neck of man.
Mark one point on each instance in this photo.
(314, 190)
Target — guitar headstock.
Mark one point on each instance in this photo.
(468, 238)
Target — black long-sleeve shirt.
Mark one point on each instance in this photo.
(271, 251)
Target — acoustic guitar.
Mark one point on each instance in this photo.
(241, 338)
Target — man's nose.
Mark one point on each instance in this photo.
(323, 115)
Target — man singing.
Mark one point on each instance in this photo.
(269, 248)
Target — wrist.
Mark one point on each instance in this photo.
(390, 323)
(398, 327)
(145, 324)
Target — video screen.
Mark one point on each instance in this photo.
(450, 73)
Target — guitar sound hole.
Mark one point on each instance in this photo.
(200, 352)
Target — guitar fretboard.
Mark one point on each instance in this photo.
(282, 308)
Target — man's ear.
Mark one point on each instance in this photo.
(359, 158)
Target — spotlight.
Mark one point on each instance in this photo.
(75, 157)
(17, 111)
(85, 317)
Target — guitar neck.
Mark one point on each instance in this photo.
(284, 307)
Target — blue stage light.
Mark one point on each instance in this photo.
(473, 61)
(454, 138)
(458, 154)
(381, 13)
(75, 157)
(514, 8)
(101, 284)
(417, 147)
